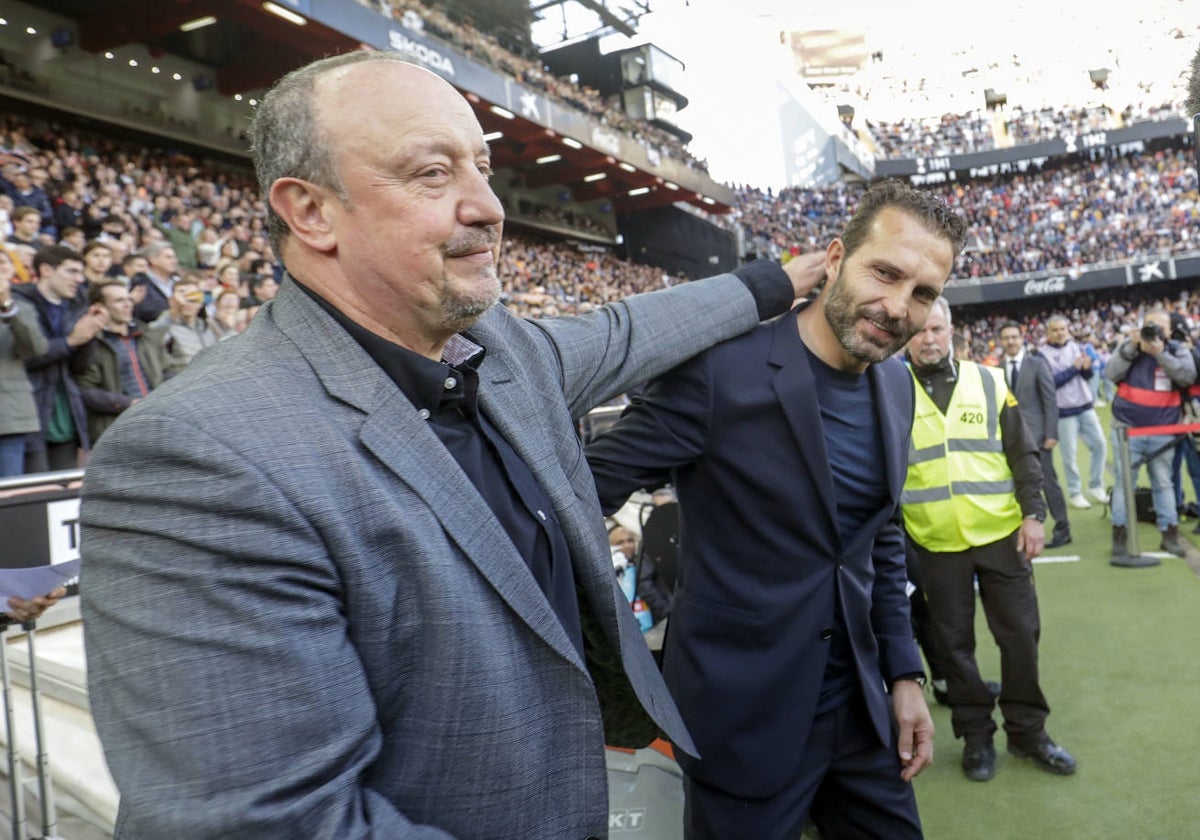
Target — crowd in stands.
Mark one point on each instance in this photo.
(1066, 216)
(980, 130)
(485, 49)
(186, 239)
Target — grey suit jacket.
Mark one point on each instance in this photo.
(301, 618)
(20, 338)
(1036, 397)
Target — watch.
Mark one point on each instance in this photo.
(1040, 517)
(916, 676)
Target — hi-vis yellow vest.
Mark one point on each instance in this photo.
(959, 490)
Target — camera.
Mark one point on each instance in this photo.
(1153, 332)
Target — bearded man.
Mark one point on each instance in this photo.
(790, 653)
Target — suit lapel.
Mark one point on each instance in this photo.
(406, 445)
(794, 385)
(890, 380)
(515, 413)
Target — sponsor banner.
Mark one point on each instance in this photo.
(1049, 284)
(942, 168)
(41, 542)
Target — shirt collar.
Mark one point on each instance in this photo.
(426, 383)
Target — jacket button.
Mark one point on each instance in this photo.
(827, 633)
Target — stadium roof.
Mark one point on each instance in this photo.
(248, 44)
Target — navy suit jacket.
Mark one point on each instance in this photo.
(739, 430)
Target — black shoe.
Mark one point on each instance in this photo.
(1046, 754)
(979, 760)
(1059, 540)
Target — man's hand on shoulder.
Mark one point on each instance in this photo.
(915, 737)
(806, 271)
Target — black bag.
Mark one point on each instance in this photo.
(1143, 504)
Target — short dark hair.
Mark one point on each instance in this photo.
(24, 210)
(1011, 325)
(934, 213)
(96, 290)
(96, 245)
(54, 256)
(256, 281)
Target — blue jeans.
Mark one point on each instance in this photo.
(1070, 429)
(1185, 450)
(1162, 488)
(12, 455)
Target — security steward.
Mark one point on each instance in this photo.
(973, 508)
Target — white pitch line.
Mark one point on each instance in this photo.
(1062, 558)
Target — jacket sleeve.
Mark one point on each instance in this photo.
(1024, 461)
(95, 398)
(664, 428)
(232, 728)
(606, 352)
(890, 619)
(1047, 398)
(1119, 362)
(1177, 363)
(28, 341)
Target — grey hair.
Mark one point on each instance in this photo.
(944, 305)
(287, 142)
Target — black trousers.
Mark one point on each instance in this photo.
(922, 622)
(848, 785)
(1055, 500)
(1009, 601)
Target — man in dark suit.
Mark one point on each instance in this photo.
(789, 648)
(152, 288)
(347, 576)
(1031, 382)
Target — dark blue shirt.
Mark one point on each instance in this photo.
(854, 445)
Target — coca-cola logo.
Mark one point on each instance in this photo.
(1046, 286)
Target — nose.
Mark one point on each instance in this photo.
(479, 204)
(896, 306)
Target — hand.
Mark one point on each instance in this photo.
(1049, 443)
(1031, 538)
(21, 610)
(88, 326)
(806, 272)
(915, 738)
(1154, 348)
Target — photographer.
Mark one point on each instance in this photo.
(1187, 449)
(1149, 370)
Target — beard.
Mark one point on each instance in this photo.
(462, 304)
(463, 307)
(843, 312)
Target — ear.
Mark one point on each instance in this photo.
(306, 208)
(834, 254)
